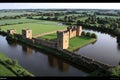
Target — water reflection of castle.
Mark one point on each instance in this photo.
(53, 61)
(27, 49)
(11, 43)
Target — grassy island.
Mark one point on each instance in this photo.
(11, 68)
(75, 43)
(79, 42)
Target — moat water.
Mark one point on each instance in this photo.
(36, 62)
(105, 49)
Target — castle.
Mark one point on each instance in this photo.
(11, 31)
(64, 36)
(26, 33)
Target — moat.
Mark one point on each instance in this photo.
(105, 49)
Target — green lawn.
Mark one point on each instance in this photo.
(49, 36)
(5, 71)
(13, 70)
(37, 28)
(78, 42)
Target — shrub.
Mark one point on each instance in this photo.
(93, 35)
(114, 71)
(83, 33)
(88, 34)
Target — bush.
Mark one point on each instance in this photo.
(83, 33)
(94, 35)
(114, 71)
(88, 34)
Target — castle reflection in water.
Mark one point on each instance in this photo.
(53, 61)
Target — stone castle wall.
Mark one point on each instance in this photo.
(62, 39)
(64, 36)
(11, 31)
(27, 33)
(45, 42)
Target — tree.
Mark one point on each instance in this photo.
(79, 22)
(93, 35)
(88, 34)
(42, 17)
(65, 18)
(83, 33)
(114, 71)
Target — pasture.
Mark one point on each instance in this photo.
(12, 13)
(37, 27)
(17, 21)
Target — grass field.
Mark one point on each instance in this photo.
(5, 71)
(12, 13)
(49, 36)
(78, 42)
(15, 21)
(37, 28)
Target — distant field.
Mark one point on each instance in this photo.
(37, 28)
(102, 16)
(44, 16)
(15, 21)
(12, 13)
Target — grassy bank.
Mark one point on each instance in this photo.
(5, 71)
(78, 42)
(10, 67)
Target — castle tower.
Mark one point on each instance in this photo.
(27, 33)
(11, 31)
(79, 31)
(69, 29)
(62, 40)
